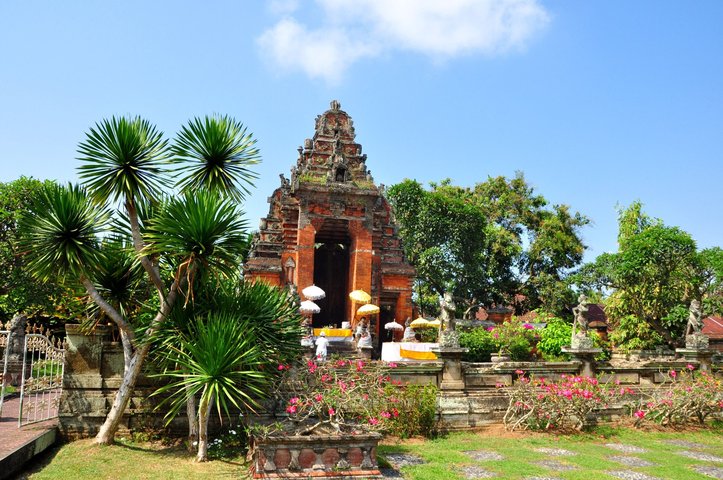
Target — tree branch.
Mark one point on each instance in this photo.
(139, 244)
(107, 308)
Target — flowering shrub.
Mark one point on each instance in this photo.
(538, 404)
(553, 338)
(686, 396)
(353, 395)
(514, 337)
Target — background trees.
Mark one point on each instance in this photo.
(490, 242)
(651, 280)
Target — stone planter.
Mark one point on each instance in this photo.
(500, 357)
(316, 456)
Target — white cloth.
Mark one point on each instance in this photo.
(321, 344)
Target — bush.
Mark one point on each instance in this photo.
(417, 407)
(553, 337)
(513, 337)
(685, 397)
(631, 333)
(537, 404)
(480, 344)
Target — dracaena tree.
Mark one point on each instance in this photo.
(127, 170)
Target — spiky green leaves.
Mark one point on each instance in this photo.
(218, 358)
(60, 233)
(198, 227)
(215, 153)
(123, 158)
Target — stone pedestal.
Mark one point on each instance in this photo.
(452, 376)
(365, 351)
(703, 357)
(586, 357)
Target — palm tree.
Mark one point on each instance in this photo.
(126, 161)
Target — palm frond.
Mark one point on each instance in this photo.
(215, 153)
(123, 158)
(61, 233)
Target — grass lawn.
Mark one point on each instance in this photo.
(84, 460)
(443, 458)
(590, 458)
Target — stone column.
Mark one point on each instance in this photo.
(16, 350)
(586, 357)
(452, 376)
(304, 272)
(704, 358)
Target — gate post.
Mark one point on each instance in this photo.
(15, 350)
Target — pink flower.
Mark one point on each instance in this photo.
(520, 372)
(527, 326)
(331, 412)
(640, 414)
(374, 421)
(690, 367)
(392, 365)
(292, 409)
(326, 377)
(489, 329)
(281, 367)
(294, 400)
(395, 412)
(386, 414)
(318, 397)
(673, 373)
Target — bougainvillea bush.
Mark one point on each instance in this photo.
(539, 404)
(352, 396)
(686, 396)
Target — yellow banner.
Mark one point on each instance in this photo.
(414, 355)
(333, 332)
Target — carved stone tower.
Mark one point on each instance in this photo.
(332, 226)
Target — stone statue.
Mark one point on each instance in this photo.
(408, 331)
(695, 339)
(448, 336)
(580, 340)
(284, 181)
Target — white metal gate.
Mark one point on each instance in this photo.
(40, 374)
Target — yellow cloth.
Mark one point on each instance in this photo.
(333, 332)
(415, 355)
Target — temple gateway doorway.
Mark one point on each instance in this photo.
(331, 272)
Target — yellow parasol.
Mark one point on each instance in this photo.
(367, 309)
(435, 324)
(420, 323)
(360, 296)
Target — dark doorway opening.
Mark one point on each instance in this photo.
(331, 272)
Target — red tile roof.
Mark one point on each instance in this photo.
(713, 326)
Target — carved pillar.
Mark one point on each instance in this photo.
(15, 350)
(304, 274)
(360, 260)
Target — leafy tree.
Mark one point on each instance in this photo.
(511, 242)
(126, 163)
(19, 292)
(652, 279)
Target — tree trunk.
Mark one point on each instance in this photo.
(107, 431)
(192, 422)
(204, 410)
(127, 351)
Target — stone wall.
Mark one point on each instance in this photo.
(95, 364)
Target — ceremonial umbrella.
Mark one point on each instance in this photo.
(360, 296)
(309, 307)
(312, 292)
(393, 326)
(434, 323)
(367, 309)
(420, 323)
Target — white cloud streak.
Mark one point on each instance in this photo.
(439, 29)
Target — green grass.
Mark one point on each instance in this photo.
(84, 460)
(444, 456)
(9, 390)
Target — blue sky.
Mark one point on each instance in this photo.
(598, 103)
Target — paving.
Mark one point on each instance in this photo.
(631, 461)
(483, 455)
(621, 447)
(18, 445)
(705, 457)
(710, 471)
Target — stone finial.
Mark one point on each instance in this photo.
(335, 105)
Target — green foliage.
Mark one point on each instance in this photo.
(220, 360)
(654, 276)
(630, 333)
(123, 158)
(19, 292)
(61, 233)
(417, 407)
(472, 241)
(215, 153)
(553, 337)
(512, 337)
(479, 343)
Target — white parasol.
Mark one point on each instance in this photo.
(312, 292)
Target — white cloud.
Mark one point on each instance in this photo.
(440, 29)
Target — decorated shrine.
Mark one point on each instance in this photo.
(331, 225)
